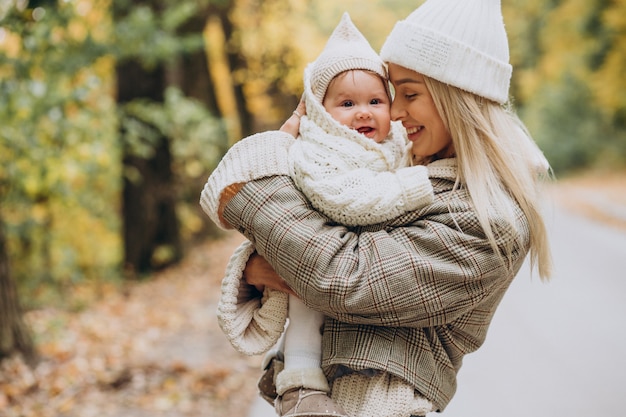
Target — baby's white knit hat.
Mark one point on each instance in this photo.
(462, 43)
(346, 49)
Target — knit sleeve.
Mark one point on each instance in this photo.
(251, 322)
(257, 156)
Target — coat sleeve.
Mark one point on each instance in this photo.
(422, 270)
(256, 156)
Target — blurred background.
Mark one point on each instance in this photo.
(114, 112)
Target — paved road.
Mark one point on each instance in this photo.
(555, 349)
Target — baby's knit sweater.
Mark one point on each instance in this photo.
(350, 178)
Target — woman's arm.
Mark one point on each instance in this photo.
(426, 274)
(257, 156)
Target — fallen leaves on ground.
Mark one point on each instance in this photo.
(152, 349)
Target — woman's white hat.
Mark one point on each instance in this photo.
(346, 49)
(462, 43)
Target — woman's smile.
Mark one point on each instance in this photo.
(413, 132)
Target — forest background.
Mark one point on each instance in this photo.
(114, 112)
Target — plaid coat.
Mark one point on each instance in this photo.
(410, 296)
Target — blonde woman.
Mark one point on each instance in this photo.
(407, 299)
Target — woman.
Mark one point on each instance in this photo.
(406, 299)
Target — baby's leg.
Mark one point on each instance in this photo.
(302, 386)
(303, 337)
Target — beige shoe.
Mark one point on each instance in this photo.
(303, 402)
(273, 365)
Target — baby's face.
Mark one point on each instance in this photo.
(358, 99)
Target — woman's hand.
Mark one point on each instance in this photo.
(292, 125)
(260, 274)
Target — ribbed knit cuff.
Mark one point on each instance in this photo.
(252, 323)
(417, 189)
(257, 156)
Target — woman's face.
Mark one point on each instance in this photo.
(414, 107)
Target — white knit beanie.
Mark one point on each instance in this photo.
(346, 49)
(462, 43)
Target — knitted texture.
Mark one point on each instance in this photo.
(460, 43)
(444, 169)
(346, 49)
(378, 395)
(349, 177)
(249, 159)
(251, 323)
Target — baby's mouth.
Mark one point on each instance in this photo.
(365, 130)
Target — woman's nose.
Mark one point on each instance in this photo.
(396, 111)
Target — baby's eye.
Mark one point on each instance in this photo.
(375, 101)
(347, 103)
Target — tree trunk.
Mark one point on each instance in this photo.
(15, 336)
(151, 230)
(236, 61)
(195, 80)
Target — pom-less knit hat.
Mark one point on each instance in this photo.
(462, 43)
(346, 49)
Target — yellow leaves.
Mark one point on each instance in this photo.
(83, 239)
(609, 82)
(549, 42)
(222, 78)
(39, 213)
(529, 83)
(77, 30)
(10, 43)
(191, 221)
(31, 184)
(60, 156)
(562, 40)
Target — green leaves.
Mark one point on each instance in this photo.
(569, 60)
(195, 135)
(150, 37)
(60, 181)
(60, 147)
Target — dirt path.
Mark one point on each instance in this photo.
(154, 351)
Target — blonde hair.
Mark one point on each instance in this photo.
(498, 160)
